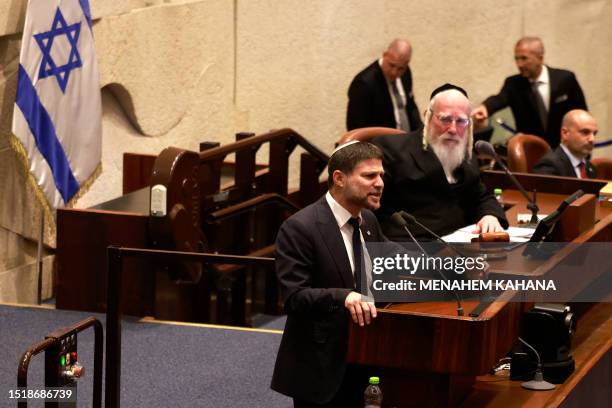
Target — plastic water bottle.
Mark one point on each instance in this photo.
(373, 395)
(498, 196)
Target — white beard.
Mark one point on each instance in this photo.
(450, 157)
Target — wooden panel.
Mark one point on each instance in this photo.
(577, 218)
(433, 342)
(541, 183)
(589, 385)
(137, 170)
(82, 238)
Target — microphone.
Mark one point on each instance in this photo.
(506, 126)
(487, 149)
(487, 298)
(399, 220)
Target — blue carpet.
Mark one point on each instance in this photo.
(162, 365)
(272, 323)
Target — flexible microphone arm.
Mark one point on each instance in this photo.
(486, 148)
(400, 221)
(538, 383)
(412, 219)
(487, 297)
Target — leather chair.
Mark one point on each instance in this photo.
(524, 151)
(604, 167)
(368, 133)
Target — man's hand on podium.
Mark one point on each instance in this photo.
(361, 311)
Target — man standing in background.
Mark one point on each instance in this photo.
(539, 95)
(381, 94)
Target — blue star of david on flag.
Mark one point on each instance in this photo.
(57, 116)
(49, 67)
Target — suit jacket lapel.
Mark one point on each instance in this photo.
(553, 78)
(591, 170)
(384, 89)
(330, 234)
(567, 164)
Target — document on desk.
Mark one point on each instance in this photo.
(517, 234)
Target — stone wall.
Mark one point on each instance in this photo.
(181, 72)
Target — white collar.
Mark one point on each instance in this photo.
(544, 77)
(341, 214)
(573, 159)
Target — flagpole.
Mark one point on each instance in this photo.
(39, 256)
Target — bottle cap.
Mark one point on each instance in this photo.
(374, 380)
(497, 191)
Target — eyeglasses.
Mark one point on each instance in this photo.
(447, 120)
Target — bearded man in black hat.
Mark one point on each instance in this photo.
(432, 174)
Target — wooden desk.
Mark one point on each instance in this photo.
(428, 356)
(589, 385)
(547, 202)
(562, 265)
(541, 183)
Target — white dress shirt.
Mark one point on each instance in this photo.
(402, 92)
(342, 217)
(543, 82)
(573, 159)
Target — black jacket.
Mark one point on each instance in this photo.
(415, 182)
(565, 95)
(315, 277)
(370, 102)
(556, 163)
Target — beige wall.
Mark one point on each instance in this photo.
(181, 72)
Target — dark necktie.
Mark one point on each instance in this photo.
(401, 107)
(357, 252)
(583, 172)
(542, 113)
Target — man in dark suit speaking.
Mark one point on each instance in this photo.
(323, 265)
(571, 157)
(381, 94)
(539, 96)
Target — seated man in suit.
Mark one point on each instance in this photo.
(539, 96)
(571, 157)
(431, 173)
(322, 265)
(381, 94)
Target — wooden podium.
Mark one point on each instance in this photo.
(426, 355)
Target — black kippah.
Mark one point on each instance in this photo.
(446, 87)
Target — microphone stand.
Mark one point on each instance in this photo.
(531, 202)
(486, 298)
(538, 383)
(399, 219)
(412, 219)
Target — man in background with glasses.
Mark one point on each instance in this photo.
(431, 173)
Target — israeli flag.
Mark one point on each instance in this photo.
(57, 118)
